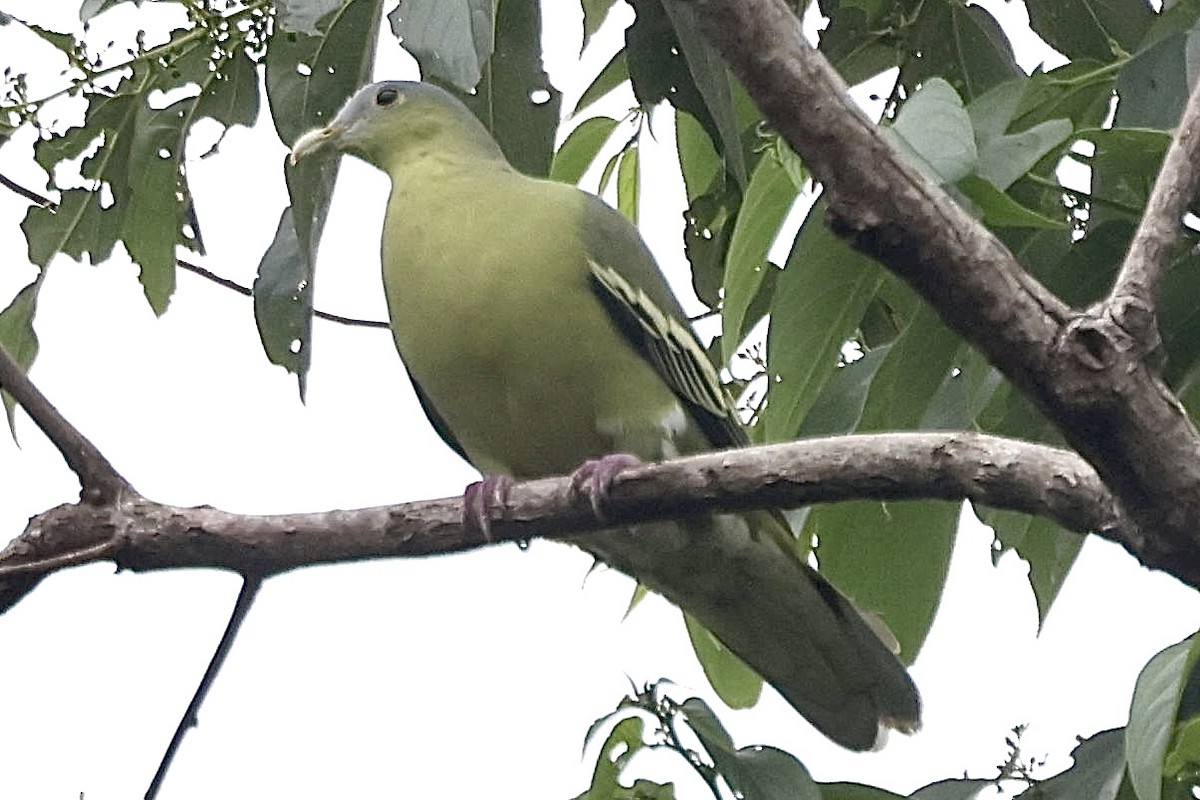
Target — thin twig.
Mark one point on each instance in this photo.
(250, 586)
(28, 194)
(75, 558)
(100, 481)
(1178, 181)
(248, 292)
(196, 269)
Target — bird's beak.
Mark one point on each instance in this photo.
(315, 141)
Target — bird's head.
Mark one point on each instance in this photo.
(392, 120)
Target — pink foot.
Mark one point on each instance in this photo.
(595, 477)
(481, 500)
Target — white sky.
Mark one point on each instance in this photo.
(468, 675)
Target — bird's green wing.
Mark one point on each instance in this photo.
(672, 348)
(636, 295)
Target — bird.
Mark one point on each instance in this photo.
(542, 339)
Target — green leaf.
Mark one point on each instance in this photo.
(335, 65)
(753, 773)
(699, 162)
(1179, 16)
(917, 364)
(1101, 29)
(767, 201)
(1096, 774)
(140, 160)
(999, 210)
(708, 224)
(303, 16)
(736, 684)
(1179, 316)
(627, 184)
(622, 744)
(63, 42)
(232, 96)
(18, 337)
(310, 187)
(889, 558)
(1184, 756)
(1049, 549)
(514, 99)
(609, 168)
(1084, 271)
(992, 111)
(935, 126)
(450, 39)
(78, 226)
(580, 148)
(760, 305)
(856, 791)
(966, 389)
(953, 789)
(670, 60)
(712, 79)
(91, 8)
(615, 72)
(963, 45)
(1003, 159)
(1124, 167)
(156, 210)
(1152, 715)
(308, 78)
(865, 39)
(820, 298)
(1153, 86)
(594, 14)
(1079, 91)
(283, 300)
(767, 773)
(839, 406)
(712, 211)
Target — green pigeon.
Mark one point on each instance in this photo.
(540, 336)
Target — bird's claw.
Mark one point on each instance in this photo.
(481, 499)
(594, 479)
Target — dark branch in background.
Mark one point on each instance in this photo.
(28, 194)
(248, 292)
(989, 470)
(1087, 373)
(190, 718)
(195, 269)
(1178, 180)
(100, 483)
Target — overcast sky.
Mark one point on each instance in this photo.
(470, 675)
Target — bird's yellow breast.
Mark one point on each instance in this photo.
(492, 309)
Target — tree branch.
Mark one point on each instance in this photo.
(1137, 286)
(1085, 371)
(989, 470)
(100, 482)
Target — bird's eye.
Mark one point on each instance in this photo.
(385, 97)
